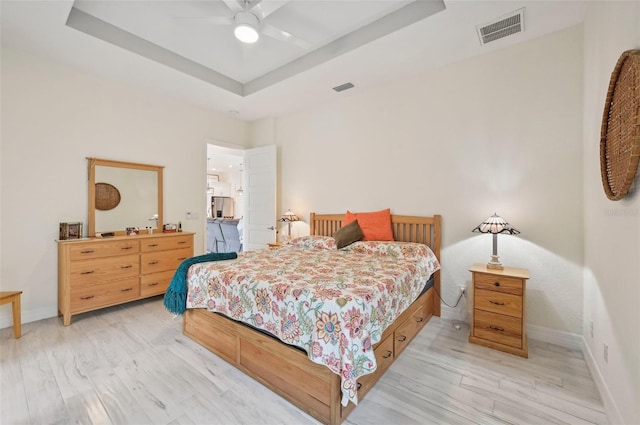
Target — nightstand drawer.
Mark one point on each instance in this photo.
(498, 302)
(498, 283)
(498, 328)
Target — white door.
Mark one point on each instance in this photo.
(259, 181)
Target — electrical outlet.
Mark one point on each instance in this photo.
(591, 328)
(187, 215)
(462, 289)
(605, 352)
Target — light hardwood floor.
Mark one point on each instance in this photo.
(131, 365)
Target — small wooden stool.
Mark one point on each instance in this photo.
(14, 298)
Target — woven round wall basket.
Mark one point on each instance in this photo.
(620, 134)
(107, 196)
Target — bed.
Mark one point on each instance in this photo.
(297, 374)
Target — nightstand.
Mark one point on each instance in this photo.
(498, 316)
(274, 245)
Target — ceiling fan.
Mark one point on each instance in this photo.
(248, 21)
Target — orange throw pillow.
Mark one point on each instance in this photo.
(376, 225)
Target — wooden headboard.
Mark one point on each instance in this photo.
(406, 228)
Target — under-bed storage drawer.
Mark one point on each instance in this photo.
(384, 358)
(408, 329)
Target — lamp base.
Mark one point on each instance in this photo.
(495, 263)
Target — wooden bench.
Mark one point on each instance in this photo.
(14, 298)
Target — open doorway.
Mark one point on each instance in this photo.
(224, 199)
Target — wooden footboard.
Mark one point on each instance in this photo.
(288, 371)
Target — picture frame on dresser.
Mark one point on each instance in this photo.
(70, 231)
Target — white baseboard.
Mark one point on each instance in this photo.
(613, 413)
(30, 315)
(556, 337)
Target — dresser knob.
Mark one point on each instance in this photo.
(497, 284)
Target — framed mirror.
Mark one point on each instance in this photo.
(124, 194)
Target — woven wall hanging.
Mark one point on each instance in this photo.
(107, 196)
(620, 133)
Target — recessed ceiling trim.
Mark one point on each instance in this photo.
(407, 15)
(98, 28)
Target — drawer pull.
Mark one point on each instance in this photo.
(152, 245)
(403, 338)
(86, 298)
(182, 258)
(359, 386)
(496, 328)
(89, 272)
(496, 284)
(154, 284)
(386, 356)
(153, 263)
(126, 267)
(496, 302)
(421, 319)
(88, 251)
(126, 247)
(126, 290)
(182, 242)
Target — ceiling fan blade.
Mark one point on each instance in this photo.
(278, 34)
(233, 5)
(266, 8)
(215, 20)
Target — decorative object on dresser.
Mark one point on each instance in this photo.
(494, 225)
(97, 273)
(289, 217)
(498, 315)
(620, 131)
(70, 231)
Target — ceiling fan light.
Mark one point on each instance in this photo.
(246, 27)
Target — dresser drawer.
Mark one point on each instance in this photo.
(498, 302)
(89, 297)
(153, 262)
(498, 328)
(84, 272)
(81, 251)
(155, 283)
(509, 285)
(166, 243)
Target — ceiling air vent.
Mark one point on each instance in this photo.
(502, 27)
(344, 86)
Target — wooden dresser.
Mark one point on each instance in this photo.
(101, 272)
(498, 317)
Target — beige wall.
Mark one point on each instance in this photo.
(498, 133)
(53, 117)
(612, 229)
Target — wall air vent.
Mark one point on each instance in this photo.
(344, 86)
(502, 27)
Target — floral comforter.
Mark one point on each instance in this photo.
(334, 304)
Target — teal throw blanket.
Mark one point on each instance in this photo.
(175, 299)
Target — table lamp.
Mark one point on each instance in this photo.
(289, 217)
(494, 225)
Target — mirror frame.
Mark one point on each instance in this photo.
(92, 163)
